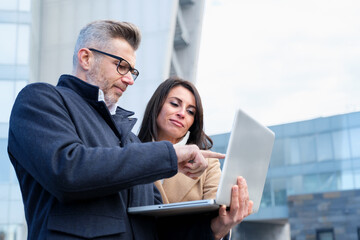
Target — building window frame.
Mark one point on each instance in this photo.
(320, 232)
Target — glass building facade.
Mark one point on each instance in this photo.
(15, 22)
(320, 155)
(315, 156)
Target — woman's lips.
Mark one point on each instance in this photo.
(177, 123)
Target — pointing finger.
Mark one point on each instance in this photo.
(210, 154)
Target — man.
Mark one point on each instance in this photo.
(78, 164)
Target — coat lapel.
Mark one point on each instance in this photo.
(178, 187)
(159, 186)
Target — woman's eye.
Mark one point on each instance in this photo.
(191, 112)
(174, 104)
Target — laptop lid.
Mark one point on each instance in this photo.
(248, 155)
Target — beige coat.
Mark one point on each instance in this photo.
(181, 188)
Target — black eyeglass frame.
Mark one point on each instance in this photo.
(134, 72)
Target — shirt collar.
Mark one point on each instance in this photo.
(183, 141)
(101, 97)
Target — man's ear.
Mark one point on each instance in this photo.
(85, 58)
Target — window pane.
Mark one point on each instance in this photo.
(355, 142)
(6, 99)
(328, 182)
(23, 44)
(4, 162)
(341, 145)
(292, 151)
(4, 192)
(266, 197)
(357, 178)
(324, 147)
(295, 185)
(279, 188)
(325, 234)
(17, 212)
(24, 5)
(310, 183)
(8, 43)
(4, 206)
(347, 180)
(307, 148)
(8, 5)
(277, 157)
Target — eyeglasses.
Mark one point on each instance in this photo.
(123, 67)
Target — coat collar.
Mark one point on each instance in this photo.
(84, 89)
(87, 91)
(119, 123)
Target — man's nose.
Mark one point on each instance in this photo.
(128, 78)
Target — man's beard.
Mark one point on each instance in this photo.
(95, 78)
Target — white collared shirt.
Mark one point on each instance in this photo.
(101, 97)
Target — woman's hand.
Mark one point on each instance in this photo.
(240, 207)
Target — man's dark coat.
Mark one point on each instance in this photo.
(79, 167)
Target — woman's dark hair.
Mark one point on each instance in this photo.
(148, 129)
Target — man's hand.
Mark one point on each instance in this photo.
(240, 207)
(191, 160)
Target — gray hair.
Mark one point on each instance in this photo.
(99, 33)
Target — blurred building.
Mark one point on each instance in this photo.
(171, 31)
(312, 189)
(15, 24)
(38, 38)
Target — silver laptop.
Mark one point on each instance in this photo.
(248, 155)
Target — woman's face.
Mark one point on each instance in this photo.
(176, 115)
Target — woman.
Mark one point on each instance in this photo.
(174, 113)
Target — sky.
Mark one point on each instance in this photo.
(280, 61)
